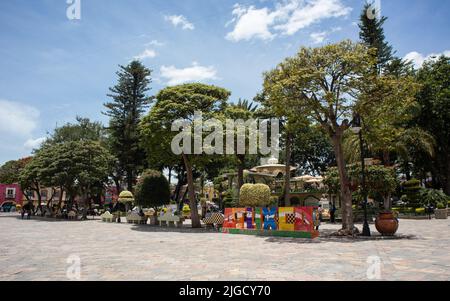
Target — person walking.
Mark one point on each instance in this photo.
(332, 213)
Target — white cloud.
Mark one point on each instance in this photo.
(34, 143)
(418, 58)
(147, 53)
(320, 37)
(194, 73)
(155, 43)
(17, 118)
(180, 20)
(287, 18)
(251, 23)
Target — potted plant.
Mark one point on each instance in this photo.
(436, 199)
(386, 223)
(441, 211)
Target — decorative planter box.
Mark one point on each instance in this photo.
(281, 222)
(440, 214)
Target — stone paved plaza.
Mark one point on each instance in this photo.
(40, 249)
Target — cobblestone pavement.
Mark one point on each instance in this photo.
(43, 250)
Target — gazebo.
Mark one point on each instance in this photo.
(273, 168)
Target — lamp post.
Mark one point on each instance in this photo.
(357, 129)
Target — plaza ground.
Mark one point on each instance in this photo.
(39, 249)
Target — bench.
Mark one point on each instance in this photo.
(72, 215)
(215, 220)
(108, 217)
(170, 220)
(135, 218)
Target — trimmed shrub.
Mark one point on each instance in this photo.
(274, 201)
(412, 191)
(255, 195)
(152, 189)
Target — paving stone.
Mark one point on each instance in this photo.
(38, 249)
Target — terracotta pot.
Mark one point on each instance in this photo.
(386, 223)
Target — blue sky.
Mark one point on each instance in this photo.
(53, 68)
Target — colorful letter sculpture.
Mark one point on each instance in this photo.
(249, 220)
(269, 215)
(229, 218)
(286, 219)
(273, 221)
(304, 219)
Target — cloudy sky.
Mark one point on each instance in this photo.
(53, 68)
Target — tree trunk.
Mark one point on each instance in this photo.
(346, 195)
(192, 202)
(118, 186)
(241, 159)
(386, 158)
(287, 176)
(130, 180)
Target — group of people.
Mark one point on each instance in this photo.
(332, 211)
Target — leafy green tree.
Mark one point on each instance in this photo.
(312, 150)
(243, 110)
(324, 85)
(433, 116)
(10, 171)
(152, 190)
(83, 130)
(380, 181)
(179, 103)
(129, 101)
(80, 168)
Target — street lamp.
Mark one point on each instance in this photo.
(357, 129)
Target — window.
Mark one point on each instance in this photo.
(44, 194)
(10, 193)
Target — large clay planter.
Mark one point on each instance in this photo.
(386, 223)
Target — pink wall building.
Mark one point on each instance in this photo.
(10, 193)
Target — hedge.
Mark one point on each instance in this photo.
(254, 195)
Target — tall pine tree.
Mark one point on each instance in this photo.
(372, 35)
(129, 101)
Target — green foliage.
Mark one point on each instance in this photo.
(129, 101)
(412, 191)
(440, 206)
(254, 195)
(228, 202)
(82, 130)
(433, 197)
(379, 179)
(312, 150)
(79, 167)
(433, 116)
(10, 171)
(273, 201)
(180, 103)
(152, 189)
(372, 34)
